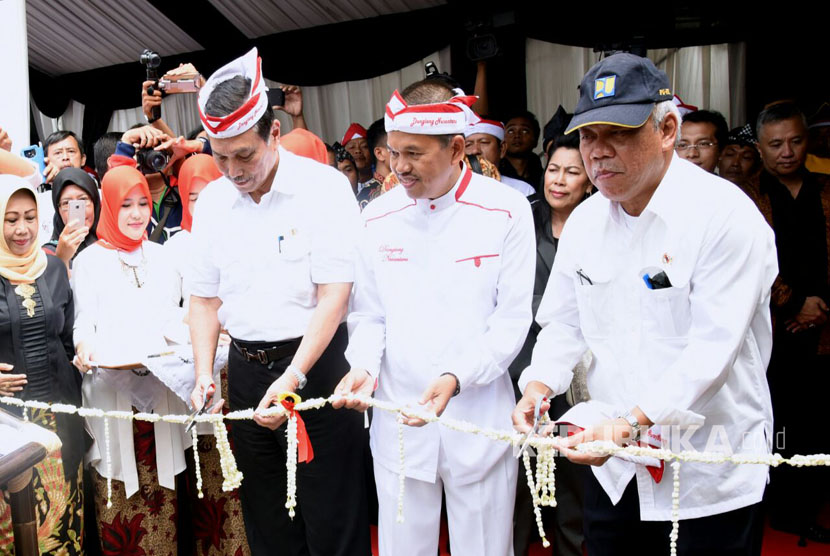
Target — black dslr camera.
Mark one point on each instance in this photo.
(151, 161)
(151, 60)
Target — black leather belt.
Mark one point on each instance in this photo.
(266, 352)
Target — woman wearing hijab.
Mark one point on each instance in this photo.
(36, 320)
(70, 238)
(125, 304)
(194, 175)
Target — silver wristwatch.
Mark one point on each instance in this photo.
(298, 374)
(636, 427)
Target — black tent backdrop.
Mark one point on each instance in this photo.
(782, 48)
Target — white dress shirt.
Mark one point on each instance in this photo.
(123, 323)
(443, 285)
(692, 356)
(263, 260)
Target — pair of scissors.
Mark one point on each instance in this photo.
(202, 410)
(538, 420)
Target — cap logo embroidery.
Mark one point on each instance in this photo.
(605, 87)
(665, 91)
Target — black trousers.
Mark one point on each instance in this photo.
(331, 515)
(799, 380)
(617, 530)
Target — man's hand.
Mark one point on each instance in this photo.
(5, 140)
(10, 384)
(286, 383)
(434, 399)
(50, 171)
(204, 384)
(356, 381)
(149, 101)
(523, 414)
(145, 136)
(293, 100)
(813, 313)
(617, 431)
(180, 147)
(293, 105)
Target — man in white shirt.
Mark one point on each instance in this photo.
(274, 247)
(442, 304)
(484, 138)
(666, 277)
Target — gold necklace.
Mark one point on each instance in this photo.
(133, 270)
(26, 291)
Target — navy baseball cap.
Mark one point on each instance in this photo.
(620, 90)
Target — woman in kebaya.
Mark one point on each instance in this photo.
(126, 304)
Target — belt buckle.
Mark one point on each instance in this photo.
(261, 356)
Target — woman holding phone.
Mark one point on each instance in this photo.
(77, 208)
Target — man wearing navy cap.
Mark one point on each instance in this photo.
(666, 278)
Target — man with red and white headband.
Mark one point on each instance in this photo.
(442, 299)
(274, 243)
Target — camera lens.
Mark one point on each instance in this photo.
(151, 161)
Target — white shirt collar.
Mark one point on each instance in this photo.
(450, 197)
(285, 180)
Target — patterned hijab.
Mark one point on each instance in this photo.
(26, 268)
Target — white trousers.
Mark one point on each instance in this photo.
(480, 514)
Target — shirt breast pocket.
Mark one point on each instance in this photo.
(666, 312)
(289, 267)
(595, 302)
(476, 273)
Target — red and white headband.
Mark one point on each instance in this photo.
(246, 116)
(490, 127)
(441, 118)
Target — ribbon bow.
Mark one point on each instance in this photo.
(305, 453)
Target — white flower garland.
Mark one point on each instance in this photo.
(109, 461)
(194, 435)
(291, 465)
(543, 491)
(534, 493)
(401, 470)
(675, 507)
(232, 475)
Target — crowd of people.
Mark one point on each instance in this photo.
(653, 277)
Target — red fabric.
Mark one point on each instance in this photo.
(117, 160)
(118, 183)
(304, 143)
(354, 131)
(196, 172)
(305, 453)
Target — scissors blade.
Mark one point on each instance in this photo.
(192, 419)
(537, 420)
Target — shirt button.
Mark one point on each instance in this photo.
(432, 207)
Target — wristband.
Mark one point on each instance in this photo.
(457, 384)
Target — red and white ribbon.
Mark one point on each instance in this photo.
(490, 127)
(441, 118)
(246, 116)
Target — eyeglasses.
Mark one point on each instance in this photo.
(700, 146)
(64, 203)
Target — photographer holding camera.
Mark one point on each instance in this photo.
(156, 155)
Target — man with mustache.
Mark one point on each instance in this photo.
(273, 264)
(442, 304)
(666, 278)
